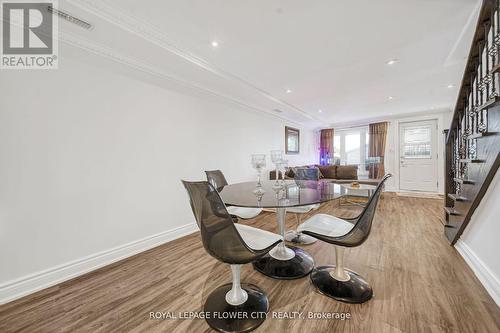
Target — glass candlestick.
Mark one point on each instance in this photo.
(259, 163)
(281, 166)
(276, 157)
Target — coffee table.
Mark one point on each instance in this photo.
(362, 190)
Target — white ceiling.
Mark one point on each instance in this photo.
(331, 54)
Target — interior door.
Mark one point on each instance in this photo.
(418, 156)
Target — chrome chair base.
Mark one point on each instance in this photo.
(355, 290)
(297, 267)
(224, 317)
(295, 237)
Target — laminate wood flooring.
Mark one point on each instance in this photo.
(421, 284)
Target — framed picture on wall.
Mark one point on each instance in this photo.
(292, 140)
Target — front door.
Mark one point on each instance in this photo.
(418, 156)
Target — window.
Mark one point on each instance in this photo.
(350, 146)
(353, 148)
(336, 148)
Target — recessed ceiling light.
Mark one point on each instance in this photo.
(215, 43)
(320, 111)
(451, 85)
(289, 91)
(390, 98)
(392, 62)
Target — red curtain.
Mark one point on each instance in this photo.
(376, 149)
(326, 146)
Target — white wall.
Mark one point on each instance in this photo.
(91, 164)
(479, 243)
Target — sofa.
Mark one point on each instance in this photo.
(341, 174)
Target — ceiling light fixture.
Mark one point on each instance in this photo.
(390, 98)
(451, 85)
(392, 62)
(320, 111)
(289, 91)
(215, 43)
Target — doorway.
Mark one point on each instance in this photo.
(418, 156)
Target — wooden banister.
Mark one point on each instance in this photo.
(472, 145)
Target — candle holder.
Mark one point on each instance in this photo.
(276, 157)
(281, 166)
(259, 163)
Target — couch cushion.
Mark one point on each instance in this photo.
(347, 172)
(319, 170)
(321, 176)
(328, 171)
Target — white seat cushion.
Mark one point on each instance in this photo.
(255, 238)
(324, 224)
(302, 209)
(244, 212)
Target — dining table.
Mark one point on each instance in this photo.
(283, 261)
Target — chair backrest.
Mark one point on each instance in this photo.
(306, 174)
(216, 179)
(219, 235)
(359, 233)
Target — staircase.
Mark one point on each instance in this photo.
(473, 141)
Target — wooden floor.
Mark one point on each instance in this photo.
(421, 284)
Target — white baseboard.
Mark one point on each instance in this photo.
(26, 285)
(490, 282)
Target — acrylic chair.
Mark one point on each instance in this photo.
(335, 280)
(234, 244)
(292, 235)
(217, 179)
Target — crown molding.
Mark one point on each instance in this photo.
(366, 121)
(142, 28)
(111, 54)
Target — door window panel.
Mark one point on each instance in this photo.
(417, 142)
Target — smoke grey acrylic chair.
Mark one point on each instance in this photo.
(334, 280)
(234, 244)
(292, 235)
(217, 179)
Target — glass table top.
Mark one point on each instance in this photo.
(293, 193)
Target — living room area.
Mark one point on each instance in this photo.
(411, 147)
(232, 166)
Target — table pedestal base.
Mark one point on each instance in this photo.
(295, 268)
(281, 252)
(241, 318)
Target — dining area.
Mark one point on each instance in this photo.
(224, 213)
(256, 166)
